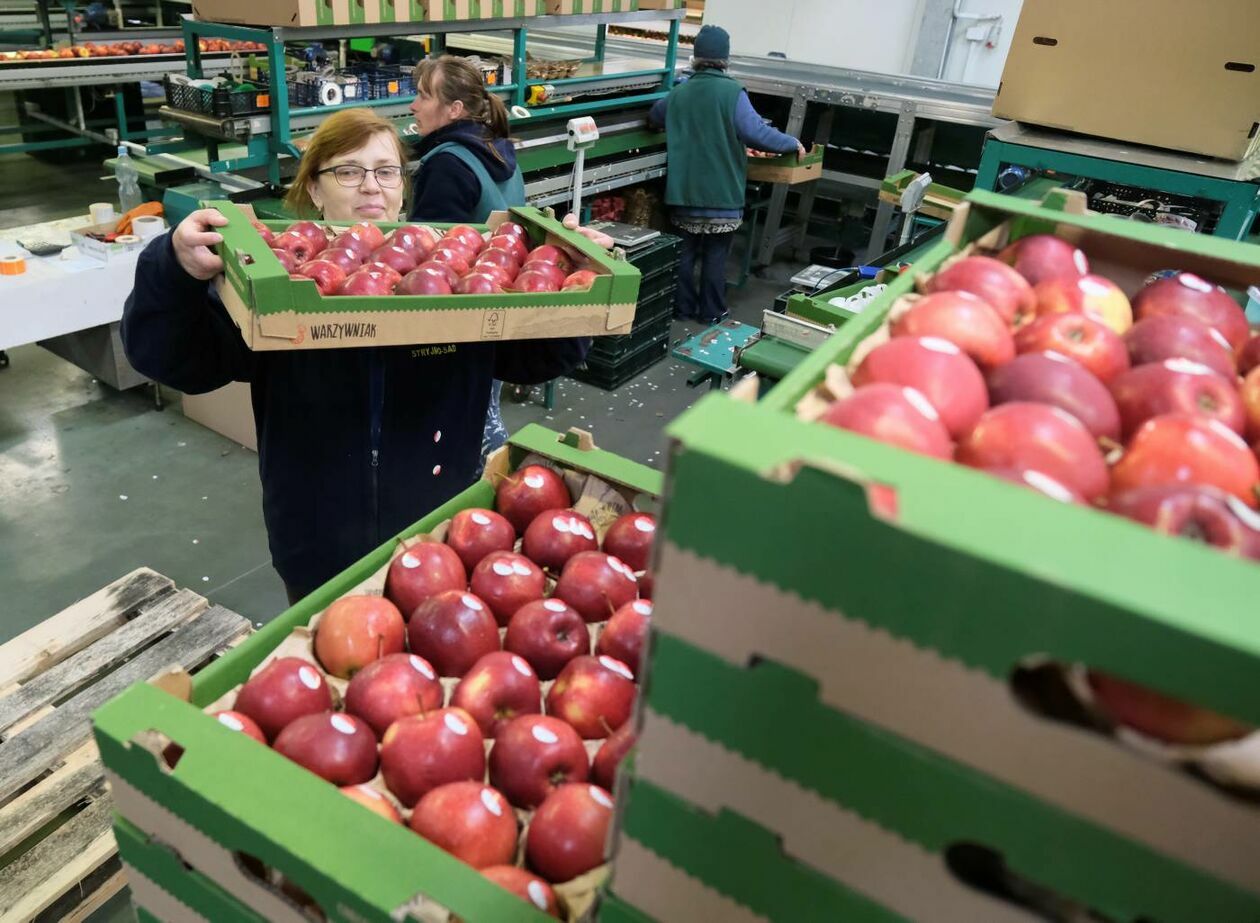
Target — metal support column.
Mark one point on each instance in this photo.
(671, 56)
(601, 42)
(896, 163)
(520, 65)
(806, 207)
(778, 198)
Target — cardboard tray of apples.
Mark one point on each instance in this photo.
(522, 275)
(479, 686)
(1139, 399)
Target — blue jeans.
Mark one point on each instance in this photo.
(708, 302)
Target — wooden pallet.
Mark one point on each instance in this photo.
(58, 860)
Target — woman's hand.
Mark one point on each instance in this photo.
(800, 150)
(192, 241)
(599, 239)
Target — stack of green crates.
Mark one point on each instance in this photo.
(828, 729)
(614, 360)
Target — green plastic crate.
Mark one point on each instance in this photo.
(275, 311)
(902, 592)
(354, 865)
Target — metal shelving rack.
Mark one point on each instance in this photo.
(269, 136)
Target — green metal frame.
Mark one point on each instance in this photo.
(1241, 199)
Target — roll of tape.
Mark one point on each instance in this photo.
(520, 112)
(12, 265)
(127, 239)
(146, 226)
(101, 212)
(330, 94)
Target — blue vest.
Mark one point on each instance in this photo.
(494, 196)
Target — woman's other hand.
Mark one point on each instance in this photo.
(192, 241)
(599, 239)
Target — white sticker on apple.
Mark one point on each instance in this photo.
(437, 469)
(916, 399)
(643, 607)
(492, 802)
(437, 437)
(1048, 486)
(643, 524)
(561, 525)
(231, 721)
(455, 724)
(410, 560)
(544, 735)
(600, 796)
(1226, 433)
(1188, 366)
(472, 602)
(308, 677)
(1219, 337)
(480, 519)
(534, 481)
(537, 893)
(554, 605)
(1190, 280)
(502, 568)
(421, 666)
(343, 724)
(939, 345)
(617, 666)
(521, 568)
(1092, 285)
(1082, 264)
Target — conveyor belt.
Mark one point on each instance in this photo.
(33, 75)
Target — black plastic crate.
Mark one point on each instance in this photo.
(656, 285)
(650, 310)
(384, 81)
(221, 102)
(659, 254)
(611, 377)
(606, 350)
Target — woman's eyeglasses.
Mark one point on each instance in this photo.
(388, 177)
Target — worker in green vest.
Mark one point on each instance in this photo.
(709, 125)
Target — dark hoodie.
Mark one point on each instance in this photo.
(445, 188)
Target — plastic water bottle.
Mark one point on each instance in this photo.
(128, 181)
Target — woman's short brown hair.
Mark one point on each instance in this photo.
(340, 133)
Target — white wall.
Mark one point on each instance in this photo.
(874, 35)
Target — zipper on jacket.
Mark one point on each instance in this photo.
(376, 398)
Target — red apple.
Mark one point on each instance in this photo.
(328, 276)
(1186, 448)
(1049, 378)
(424, 751)
(338, 748)
(456, 259)
(459, 246)
(534, 754)
(374, 801)
(507, 581)
(368, 282)
(1202, 514)
(534, 281)
(453, 630)
(567, 834)
(479, 283)
(610, 754)
(1039, 257)
(311, 231)
(513, 245)
(646, 584)
(1159, 716)
(594, 695)
(1041, 438)
(356, 242)
(522, 496)
(557, 535)
(596, 585)
(263, 231)
(421, 571)
(356, 630)
(936, 368)
(1003, 288)
(894, 414)
(401, 260)
(348, 260)
(1078, 336)
(1250, 394)
(238, 721)
(446, 270)
(423, 281)
(1192, 296)
(500, 274)
(287, 260)
(553, 273)
(301, 248)
(513, 230)
(1172, 386)
(383, 269)
(474, 533)
(1096, 296)
(548, 633)
(625, 634)
(554, 255)
(469, 235)
(630, 538)
(471, 821)
(499, 687)
(369, 233)
(579, 281)
(963, 319)
(393, 687)
(499, 256)
(1035, 480)
(527, 887)
(1173, 336)
(414, 239)
(283, 691)
(1249, 357)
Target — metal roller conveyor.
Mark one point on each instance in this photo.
(69, 72)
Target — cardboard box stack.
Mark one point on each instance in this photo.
(565, 7)
(830, 729)
(236, 831)
(350, 12)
